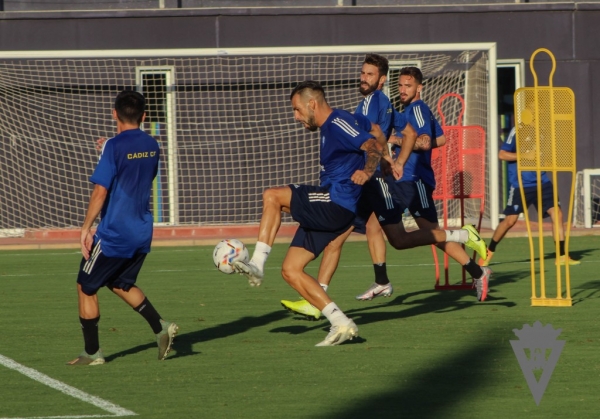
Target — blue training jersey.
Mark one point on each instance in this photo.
(378, 108)
(418, 165)
(342, 135)
(127, 166)
(529, 178)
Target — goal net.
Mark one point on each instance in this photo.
(586, 212)
(222, 117)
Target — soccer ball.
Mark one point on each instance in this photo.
(228, 251)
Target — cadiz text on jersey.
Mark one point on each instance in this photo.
(141, 155)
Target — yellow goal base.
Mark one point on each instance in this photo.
(551, 302)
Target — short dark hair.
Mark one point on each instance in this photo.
(314, 86)
(413, 72)
(130, 106)
(379, 61)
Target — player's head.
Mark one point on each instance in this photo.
(130, 107)
(306, 98)
(373, 73)
(410, 84)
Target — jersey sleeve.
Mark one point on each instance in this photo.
(106, 169)
(438, 129)
(400, 122)
(385, 114)
(420, 118)
(510, 143)
(352, 132)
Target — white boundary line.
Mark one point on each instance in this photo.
(68, 390)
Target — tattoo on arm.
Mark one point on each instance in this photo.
(374, 153)
(423, 143)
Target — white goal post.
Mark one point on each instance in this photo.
(587, 199)
(222, 117)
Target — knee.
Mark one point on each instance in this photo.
(289, 273)
(269, 195)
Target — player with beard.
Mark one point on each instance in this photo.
(376, 204)
(418, 181)
(349, 155)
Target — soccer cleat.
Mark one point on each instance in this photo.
(474, 241)
(376, 290)
(340, 333)
(250, 271)
(303, 308)
(561, 261)
(164, 339)
(486, 262)
(482, 284)
(85, 359)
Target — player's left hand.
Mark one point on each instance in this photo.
(394, 140)
(360, 177)
(398, 170)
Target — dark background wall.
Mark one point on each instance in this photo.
(569, 30)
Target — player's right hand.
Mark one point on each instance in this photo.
(100, 143)
(360, 177)
(86, 243)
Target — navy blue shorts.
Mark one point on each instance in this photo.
(321, 220)
(377, 198)
(514, 204)
(99, 271)
(416, 198)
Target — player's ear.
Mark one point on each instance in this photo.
(114, 114)
(143, 118)
(312, 103)
(382, 81)
(419, 88)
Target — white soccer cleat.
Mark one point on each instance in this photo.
(376, 290)
(482, 283)
(250, 271)
(340, 333)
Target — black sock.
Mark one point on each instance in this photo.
(473, 269)
(381, 277)
(492, 246)
(561, 245)
(148, 312)
(90, 334)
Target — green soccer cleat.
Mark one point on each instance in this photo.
(164, 339)
(86, 359)
(562, 261)
(475, 242)
(302, 307)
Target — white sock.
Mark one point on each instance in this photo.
(457, 236)
(334, 314)
(260, 255)
(324, 286)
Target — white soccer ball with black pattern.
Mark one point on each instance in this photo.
(228, 251)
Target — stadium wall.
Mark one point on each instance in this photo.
(567, 29)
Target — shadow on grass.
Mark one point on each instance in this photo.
(409, 305)
(436, 391)
(549, 258)
(183, 343)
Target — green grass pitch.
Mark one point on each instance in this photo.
(421, 353)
